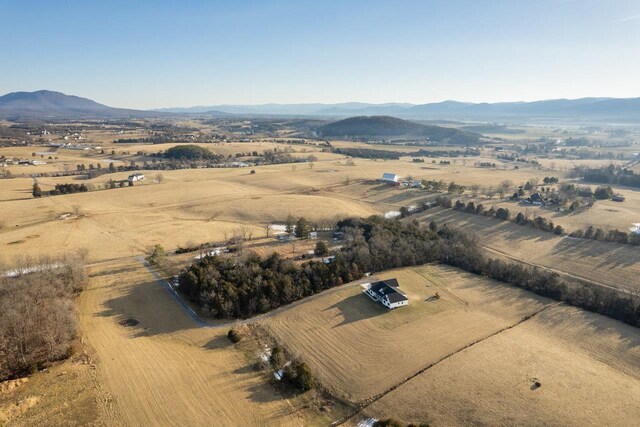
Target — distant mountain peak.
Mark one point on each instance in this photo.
(47, 103)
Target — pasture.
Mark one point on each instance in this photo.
(476, 353)
(586, 367)
(360, 349)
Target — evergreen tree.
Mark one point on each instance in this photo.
(302, 228)
(37, 192)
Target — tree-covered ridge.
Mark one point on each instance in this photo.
(387, 126)
(189, 152)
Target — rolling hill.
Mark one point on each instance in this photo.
(387, 126)
(49, 104)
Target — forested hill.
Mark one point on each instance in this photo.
(387, 126)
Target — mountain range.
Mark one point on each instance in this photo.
(49, 104)
(599, 109)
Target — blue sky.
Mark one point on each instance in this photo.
(147, 54)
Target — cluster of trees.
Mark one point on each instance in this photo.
(189, 152)
(512, 158)
(603, 193)
(154, 139)
(550, 180)
(68, 189)
(368, 153)
(59, 189)
(242, 288)
(609, 175)
(486, 165)
(300, 228)
(441, 186)
(37, 316)
(296, 373)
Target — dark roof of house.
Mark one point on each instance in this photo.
(536, 197)
(390, 282)
(388, 288)
(396, 297)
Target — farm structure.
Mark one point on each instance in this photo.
(135, 177)
(386, 292)
(390, 178)
(536, 199)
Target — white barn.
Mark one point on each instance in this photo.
(136, 177)
(387, 293)
(390, 178)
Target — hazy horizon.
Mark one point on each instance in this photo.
(161, 55)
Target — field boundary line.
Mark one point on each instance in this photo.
(369, 401)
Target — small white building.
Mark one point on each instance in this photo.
(390, 178)
(135, 177)
(386, 292)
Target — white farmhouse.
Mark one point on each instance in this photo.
(387, 293)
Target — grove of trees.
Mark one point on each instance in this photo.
(37, 315)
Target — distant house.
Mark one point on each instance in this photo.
(618, 198)
(386, 292)
(390, 178)
(135, 177)
(536, 199)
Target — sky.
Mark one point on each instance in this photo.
(152, 54)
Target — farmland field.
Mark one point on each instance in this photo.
(344, 334)
(361, 351)
(614, 265)
(586, 365)
(462, 335)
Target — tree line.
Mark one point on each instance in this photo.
(541, 223)
(59, 190)
(227, 288)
